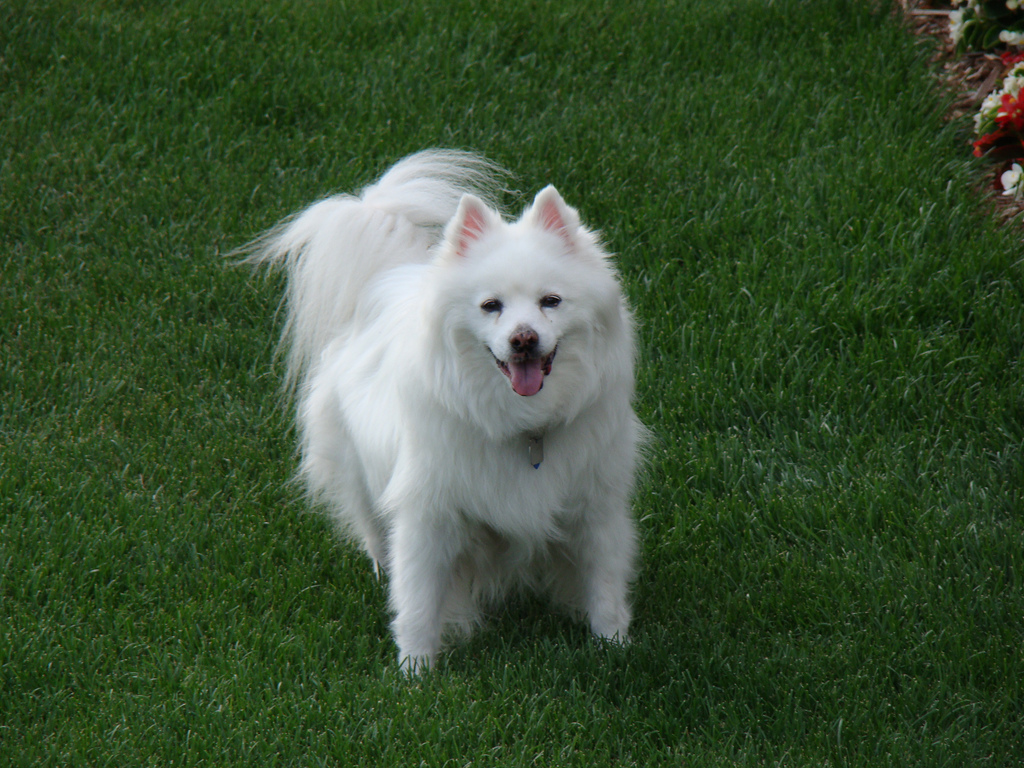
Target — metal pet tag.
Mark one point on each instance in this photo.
(536, 451)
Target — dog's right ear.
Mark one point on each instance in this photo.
(472, 220)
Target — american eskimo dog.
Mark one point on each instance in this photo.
(464, 389)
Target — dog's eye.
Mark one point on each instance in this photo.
(491, 305)
(550, 302)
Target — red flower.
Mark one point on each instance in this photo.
(989, 140)
(1011, 113)
(1009, 59)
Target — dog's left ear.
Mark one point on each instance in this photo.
(550, 213)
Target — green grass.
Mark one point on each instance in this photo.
(832, 329)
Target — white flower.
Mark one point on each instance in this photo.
(1013, 5)
(991, 101)
(1011, 179)
(1011, 38)
(956, 26)
(989, 105)
(1012, 84)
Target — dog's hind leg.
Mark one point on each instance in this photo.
(373, 539)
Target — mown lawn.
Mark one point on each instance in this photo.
(832, 330)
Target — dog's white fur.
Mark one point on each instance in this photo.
(415, 313)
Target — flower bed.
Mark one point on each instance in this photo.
(999, 122)
(984, 55)
(999, 125)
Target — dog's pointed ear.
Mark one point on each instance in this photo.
(470, 222)
(552, 214)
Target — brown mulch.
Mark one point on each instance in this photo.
(970, 76)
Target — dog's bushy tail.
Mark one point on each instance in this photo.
(331, 249)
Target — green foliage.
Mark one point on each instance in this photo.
(832, 342)
(981, 25)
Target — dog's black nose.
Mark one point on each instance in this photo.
(524, 341)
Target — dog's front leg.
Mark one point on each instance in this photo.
(605, 556)
(422, 555)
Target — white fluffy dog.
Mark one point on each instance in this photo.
(465, 388)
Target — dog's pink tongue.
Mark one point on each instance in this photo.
(527, 377)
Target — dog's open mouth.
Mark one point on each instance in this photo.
(527, 372)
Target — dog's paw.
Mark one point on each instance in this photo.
(414, 665)
(617, 636)
(609, 620)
